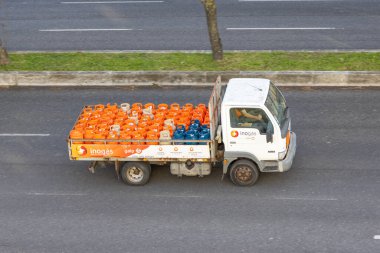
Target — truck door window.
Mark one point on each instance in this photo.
(249, 118)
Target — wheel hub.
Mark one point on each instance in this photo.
(135, 174)
(244, 174)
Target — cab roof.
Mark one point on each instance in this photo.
(246, 91)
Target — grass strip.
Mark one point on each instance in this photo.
(244, 61)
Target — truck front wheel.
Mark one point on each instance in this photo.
(244, 173)
(135, 173)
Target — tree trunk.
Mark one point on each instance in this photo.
(216, 43)
(4, 59)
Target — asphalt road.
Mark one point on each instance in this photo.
(181, 25)
(328, 202)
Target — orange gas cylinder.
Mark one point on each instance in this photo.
(130, 122)
(102, 125)
(160, 114)
(88, 134)
(145, 117)
(168, 128)
(188, 106)
(93, 122)
(135, 112)
(149, 106)
(112, 136)
(128, 128)
(99, 136)
(85, 114)
(80, 126)
(202, 106)
(102, 130)
(183, 121)
(96, 115)
(152, 135)
(87, 110)
(199, 111)
(83, 120)
(155, 128)
(99, 107)
(144, 123)
(172, 114)
(157, 124)
(142, 129)
(76, 134)
(162, 107)
(186, 114)
(113, 107)
(137, 105)
(108, 113)
(106, 120)
(90, 127)
(197, 117)
(175, 107)
(118, 121)
(138, 136)
(125, 136)
(120, 113)
(206, 121)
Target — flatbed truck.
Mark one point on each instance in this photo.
(246, 145)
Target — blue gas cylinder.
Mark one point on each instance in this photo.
(204, 135)
(205, 127)
(192, 135)
(195, 124)
(178, 135)
(181, 128)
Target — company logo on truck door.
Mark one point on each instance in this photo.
(247, 133)
(234, 133)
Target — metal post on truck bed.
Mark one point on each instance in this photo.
(117, 169)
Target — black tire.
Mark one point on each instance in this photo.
(135, 173)
(244, 173)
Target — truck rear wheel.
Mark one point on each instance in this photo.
(135, 173)
(244, 173)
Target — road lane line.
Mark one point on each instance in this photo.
(283, 28)
(87, 30)
(114, 2)
(290, 0)
(176, 196)
(307, 199)
(22, 135)
(376, 237)
(54, 194)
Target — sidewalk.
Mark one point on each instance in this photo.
(115, 78)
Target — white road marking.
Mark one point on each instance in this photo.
(176, 196)
(87, 30)
(114, 2)
(284, 28)
(307, 199)
(376, 237)
(54, 194)
(22, 135)
(290, 0)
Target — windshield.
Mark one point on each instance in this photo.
(276, 104)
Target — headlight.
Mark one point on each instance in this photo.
(281, 155)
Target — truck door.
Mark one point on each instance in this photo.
(246, 132)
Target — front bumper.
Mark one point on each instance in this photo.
(286, 164)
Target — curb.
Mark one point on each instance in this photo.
(132, 78)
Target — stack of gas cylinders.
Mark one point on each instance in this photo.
(146, 124)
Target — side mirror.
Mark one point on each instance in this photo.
(287, 113)
(270, 132)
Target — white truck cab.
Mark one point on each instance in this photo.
(256, 130)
